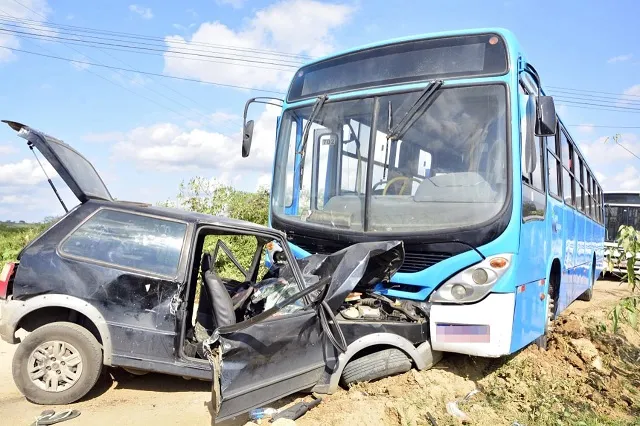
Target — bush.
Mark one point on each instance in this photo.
(628, 241)
(13, 237)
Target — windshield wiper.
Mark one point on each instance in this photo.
(421, 104)
(396, 132)
(317, 106)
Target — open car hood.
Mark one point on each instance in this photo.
(357, 267)
(74, 169)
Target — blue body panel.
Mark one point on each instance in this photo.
(564, 235)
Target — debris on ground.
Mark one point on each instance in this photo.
(587, 375)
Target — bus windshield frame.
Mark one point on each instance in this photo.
(386, 158)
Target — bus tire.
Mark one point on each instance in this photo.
(588, 295)
(542, 341)
(376, 365)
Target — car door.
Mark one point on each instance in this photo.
(268, 357)
(283, 350)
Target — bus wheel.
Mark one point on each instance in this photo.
(588, 295)
(542, 341)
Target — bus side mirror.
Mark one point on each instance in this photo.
(529, 157)
(546, 118)
(247, 126)
(247, 135)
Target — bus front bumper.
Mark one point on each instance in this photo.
(481, 329)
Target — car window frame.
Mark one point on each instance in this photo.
(234, 229)
(180, 273)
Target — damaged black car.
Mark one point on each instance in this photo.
(152, 289)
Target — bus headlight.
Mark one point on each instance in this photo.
(473, 283)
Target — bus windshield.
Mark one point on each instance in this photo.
(618, 215)
(448, 168)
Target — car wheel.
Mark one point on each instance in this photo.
(376, 365)
(57, 364)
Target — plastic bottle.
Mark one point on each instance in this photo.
(261, 413)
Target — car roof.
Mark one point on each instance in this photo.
(182, 215)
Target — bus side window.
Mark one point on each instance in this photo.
(536, 178)
(554, 167)
(581, 202)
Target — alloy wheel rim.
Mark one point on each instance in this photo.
(55, 366)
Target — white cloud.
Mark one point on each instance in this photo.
(39, 11)
(264, 181)
(619, 58)
(7, 150)
(604, 150)
(24, 173)
(631, 96)
(15, 199)
(144, 12)
(627, 179)
(221, 117)
(607, 159)
(236, 4)
(167, 147)
(289, 26)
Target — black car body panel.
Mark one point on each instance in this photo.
(141, 316)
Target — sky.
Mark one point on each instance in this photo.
(147, 133)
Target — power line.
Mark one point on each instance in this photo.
(610, 100)
(120, 73)
(592, 91)
(615, 139)
(602, 107)
(101, 48)
(162, 39)
(182, 50)
(148, 49)
(601, 126)
(194, 80)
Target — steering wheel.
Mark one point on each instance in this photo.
(404, 185)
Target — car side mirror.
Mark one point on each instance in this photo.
(529, 157)
(546, 118)
(247, 136)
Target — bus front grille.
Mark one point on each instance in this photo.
(414, 261)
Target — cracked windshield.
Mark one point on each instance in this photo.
(447, 168)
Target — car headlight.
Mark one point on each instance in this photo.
(473, 283)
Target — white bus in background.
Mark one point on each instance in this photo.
(621, 208)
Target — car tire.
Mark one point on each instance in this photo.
(75, 370)
(376, 365)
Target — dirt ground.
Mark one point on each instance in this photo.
(588, 376)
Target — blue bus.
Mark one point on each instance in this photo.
(447, 142)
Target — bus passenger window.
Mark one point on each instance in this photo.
(554, 168)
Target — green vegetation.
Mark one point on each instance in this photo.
(14, 236)
(628, 241)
